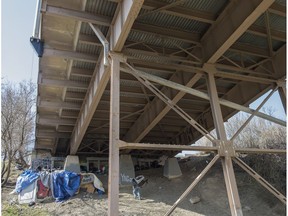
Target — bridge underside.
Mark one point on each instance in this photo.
(122, 73)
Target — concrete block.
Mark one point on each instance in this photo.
(171, 168)
(72, 164)
(127, 172)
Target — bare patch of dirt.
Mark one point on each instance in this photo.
(161, 193)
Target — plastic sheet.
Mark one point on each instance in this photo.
(65, 185)
(25, 179)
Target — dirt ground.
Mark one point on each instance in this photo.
(159, 195)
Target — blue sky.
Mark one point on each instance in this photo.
(19, 60)
(274, 103)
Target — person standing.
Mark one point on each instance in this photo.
(137, 183)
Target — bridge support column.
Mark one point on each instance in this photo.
(72, 164)
(126, 170)
(171, 168)
(113, 178)
(226, 150)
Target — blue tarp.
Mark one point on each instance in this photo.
(25, 179)
(65, 184)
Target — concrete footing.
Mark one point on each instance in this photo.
(72, 164)
(126, 171)
(171, 168)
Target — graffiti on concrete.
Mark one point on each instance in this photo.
(125, 178)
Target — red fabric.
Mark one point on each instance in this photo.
(42, 191)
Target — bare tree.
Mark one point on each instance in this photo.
(17, 124)
(259, 133)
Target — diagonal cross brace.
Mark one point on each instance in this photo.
(194, 183)
(203, 95)
(171, 104)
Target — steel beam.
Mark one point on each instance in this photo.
(55, 134)
(261, 31)
(240, 48)
(81, 72)
(64, 128)
(283, 96)
(126, 16)
(90, 40)
(278, 9)
(251, 116)
(203, 95)
(215, 42)
(155, 111)
(231, 37)
(173, 147)
(180, 11)
(260, 151)
(190, 37)
(52, 121)
(177, 35)
(74, 72)
(75, 96)
(194, 183)
(58, 105)
(113, 178)
(70, 55)
(122, 118)
(229, 176)
(175, 107)
(246, 78)
(188, 69)
(200, 16)
(77, 15)
(123, 22)
(215, 107)
(167, 147)
(249, 50)
(63, 83)
(103, 40)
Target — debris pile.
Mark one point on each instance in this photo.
(37, 186)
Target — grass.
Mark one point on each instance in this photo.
(23, 210)
(17, 209)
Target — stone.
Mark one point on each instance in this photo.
(195, 200)
(246, 208)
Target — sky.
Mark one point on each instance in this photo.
(19, 60)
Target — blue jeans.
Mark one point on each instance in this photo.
(136, 192)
